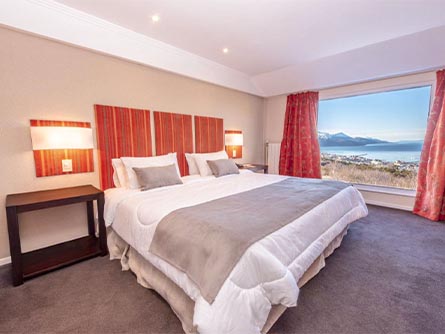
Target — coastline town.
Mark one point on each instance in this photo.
(360, 169)
(363, 160)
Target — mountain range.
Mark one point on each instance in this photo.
(342, 139)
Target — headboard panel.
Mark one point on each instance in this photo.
(120, 132)
(173, 133)
(209, 134)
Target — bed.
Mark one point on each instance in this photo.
(266, 275)
(265, 279)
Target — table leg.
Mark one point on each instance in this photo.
(14, 246)
(90, 214)
(102, 229)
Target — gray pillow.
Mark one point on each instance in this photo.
(223, 167)
(155, 177)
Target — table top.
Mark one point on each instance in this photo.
(42, 196)
(247, 165)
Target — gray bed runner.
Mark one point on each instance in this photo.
(207, 240)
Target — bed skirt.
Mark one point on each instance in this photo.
(182, 305)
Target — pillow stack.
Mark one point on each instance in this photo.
(207, 164)
(156, 177)
(198, 162)
(153, 172)
(223, 167)
(135, 173)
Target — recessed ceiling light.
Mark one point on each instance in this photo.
(155, 18)
(225, 50)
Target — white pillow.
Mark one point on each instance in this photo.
(193, 168)
(116, 182)
(119, 173)
(158, 161)
(201, 161)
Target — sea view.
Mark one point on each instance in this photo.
(392, 164)
(374, 138)
(407, 151)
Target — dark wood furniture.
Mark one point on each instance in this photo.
(254, 167)
(31, 264)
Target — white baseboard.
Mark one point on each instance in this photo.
(5, 260)
(389, 205)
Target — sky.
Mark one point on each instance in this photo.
(392, 116)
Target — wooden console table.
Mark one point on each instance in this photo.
(31, 264)
(255, 167)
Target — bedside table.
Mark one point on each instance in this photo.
(30, 264)
(254, 167)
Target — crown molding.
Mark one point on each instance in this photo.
(58, 22)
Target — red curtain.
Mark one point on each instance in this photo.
(300, 150)
(430, 198)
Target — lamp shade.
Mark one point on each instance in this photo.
(234, 139)
(61, 137)
(234, 143)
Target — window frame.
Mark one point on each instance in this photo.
(382, 86)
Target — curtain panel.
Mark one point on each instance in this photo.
(300, 150)
(430, 197)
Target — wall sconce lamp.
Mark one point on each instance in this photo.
(234, 143)
(62, 138)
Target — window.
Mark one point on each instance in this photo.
(375, 138)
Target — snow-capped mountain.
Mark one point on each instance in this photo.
(342, 139)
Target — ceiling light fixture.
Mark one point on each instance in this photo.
(155, 18)
(225, 50)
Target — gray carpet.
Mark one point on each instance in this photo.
(387, 277)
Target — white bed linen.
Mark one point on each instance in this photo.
(269, 270)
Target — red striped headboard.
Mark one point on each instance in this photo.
(120, 132)
(173, 133)
(49, 162)
(209, 134)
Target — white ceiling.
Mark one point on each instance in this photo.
(265, 37)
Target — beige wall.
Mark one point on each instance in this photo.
(42, 79)
(275, 108)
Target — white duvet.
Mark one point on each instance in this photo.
(267, 273)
